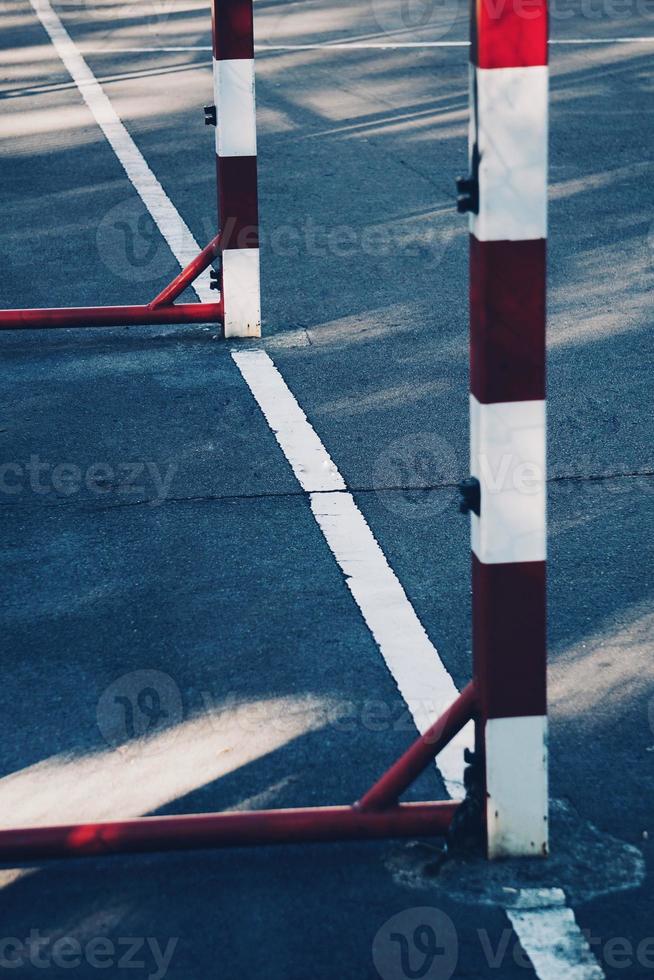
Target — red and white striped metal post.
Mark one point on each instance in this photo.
(506, 195)
(236, 151)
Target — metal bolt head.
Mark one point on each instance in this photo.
(470, 495)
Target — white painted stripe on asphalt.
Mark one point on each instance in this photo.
(313, 467)
(421, 677)
(549, 934)
(604, 40)
(362, 45)
(296, 435)
(262, 46)
(236, 131)
(393, 45)
(507, 455)
(413, 661)
(172, 227)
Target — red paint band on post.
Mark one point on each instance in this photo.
(508, 629)
(232, 29)
(239, 212)
(507, 320)
(508, 33)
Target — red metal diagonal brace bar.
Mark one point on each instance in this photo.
(187, 275)
(388, 789)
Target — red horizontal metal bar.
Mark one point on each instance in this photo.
(188, 275)
(198, 831)
(388, 789)
(105, 316)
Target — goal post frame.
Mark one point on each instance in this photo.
(505, 195)
(235, 249)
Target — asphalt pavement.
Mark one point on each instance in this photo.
(155, 538)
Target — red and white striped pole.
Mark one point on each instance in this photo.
(506, 195)
(236, 151)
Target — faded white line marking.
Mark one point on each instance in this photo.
(393, 45)
(311, 463)
(549, 934)
(174, 230)
(413, 661)
(370, 578)
(420, 675)
(262, 47)
(604, 40)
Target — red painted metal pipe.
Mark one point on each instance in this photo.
(188, 275)
(387, 790)
(210, 830)
(107, 316)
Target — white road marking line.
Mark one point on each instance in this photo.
(311, 463)
(174, 230)
(371, 580)
(550, 935)
(262, 47)
(393, 45)
(604, 40)
(413, 661)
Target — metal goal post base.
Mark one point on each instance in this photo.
(162, 309)
(238, 279)
(378, 814)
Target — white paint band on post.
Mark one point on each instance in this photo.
(507, 456)
(511, 110)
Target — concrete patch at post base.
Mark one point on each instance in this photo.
(585, 863)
